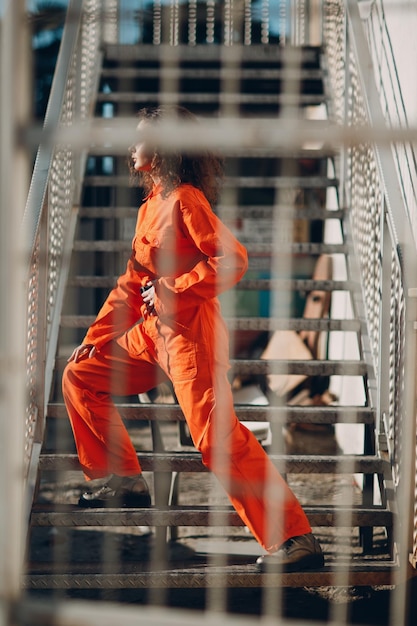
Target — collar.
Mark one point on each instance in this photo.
(154, 191)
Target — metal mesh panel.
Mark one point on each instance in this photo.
(392, 101)
(334, 36)
(59, 200)
(396, 368)
(367, 200)
(32, 358)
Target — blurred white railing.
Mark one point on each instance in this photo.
(381, 208)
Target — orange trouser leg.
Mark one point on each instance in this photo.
(103, 443)
(255, 488)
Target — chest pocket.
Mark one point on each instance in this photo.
(157, 250)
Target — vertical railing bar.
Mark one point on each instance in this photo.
(174, 25)
(192, 22)
(411, 337)
(247, 34)
(228, 23)
(384, 331)
(265, 22)
(314, 27)
(14, 105)
(210, 21)
(157, 23)
(110, 19)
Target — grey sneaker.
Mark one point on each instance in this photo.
(127, 491)
(296, 554)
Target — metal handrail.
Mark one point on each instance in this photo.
(395, 112)
(41, 172)
(49, 215)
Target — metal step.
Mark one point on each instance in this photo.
(256, 367)
(187, 99)
(191, 462)
(255, 249)
(309, 213)
(260, 284)
(227, 212)
(255, 150)
(202, 54)
(295, 324)
(280, 414)
(253, 182)
(361, 573)
(73, 516)
(301, 367)
(248, 323)
(202, 72)
(242, 323)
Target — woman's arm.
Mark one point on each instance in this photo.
(224, 264)
(122, 309)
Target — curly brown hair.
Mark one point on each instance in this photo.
(203, 170)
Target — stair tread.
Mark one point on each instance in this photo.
(292, 414)
(273, 182)
(254, 249)
(362, 573)
(202, 53)
(72, 515)
(261, 151)
(191, 462)
(249, 323)
(202, 72)
(267, 284)
(174, 97)
(291, 366)
(226, 212)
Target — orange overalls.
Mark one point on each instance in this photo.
(181, 244)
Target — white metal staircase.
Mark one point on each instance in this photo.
(262, 188)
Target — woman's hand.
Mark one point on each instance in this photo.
(148, 296)
(85, 350)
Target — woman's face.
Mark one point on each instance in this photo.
(141, 154)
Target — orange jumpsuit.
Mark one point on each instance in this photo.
(190, 254)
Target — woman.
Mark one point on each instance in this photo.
(162, 320)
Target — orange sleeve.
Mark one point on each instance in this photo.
(122, 308)
(224, 264)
